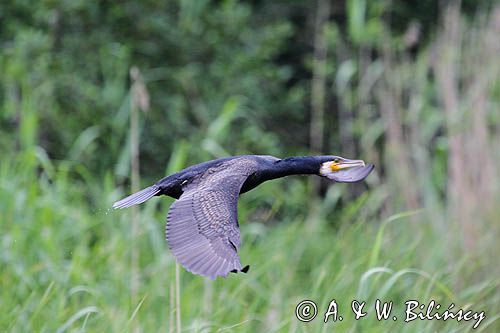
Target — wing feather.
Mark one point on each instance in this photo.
(202, 225)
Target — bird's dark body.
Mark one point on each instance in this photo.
(172, 185)
(202, 224)
(268, 168)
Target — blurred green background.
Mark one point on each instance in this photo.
(411, 86)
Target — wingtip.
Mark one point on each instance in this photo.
(243, 270)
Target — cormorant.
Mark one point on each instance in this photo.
(202, 225)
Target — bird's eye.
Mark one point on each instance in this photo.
(337, 160)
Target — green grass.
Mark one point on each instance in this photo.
(65, 266)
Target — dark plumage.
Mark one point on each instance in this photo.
(202, 225)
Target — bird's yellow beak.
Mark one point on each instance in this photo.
(336, 166)
(343, 170)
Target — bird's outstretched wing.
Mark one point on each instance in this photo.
(202, 226)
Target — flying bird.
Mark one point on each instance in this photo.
(202, 224)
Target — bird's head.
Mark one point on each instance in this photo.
(344, 170)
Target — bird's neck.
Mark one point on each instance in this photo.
(307, 165)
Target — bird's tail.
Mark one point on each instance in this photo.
(138, 197)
